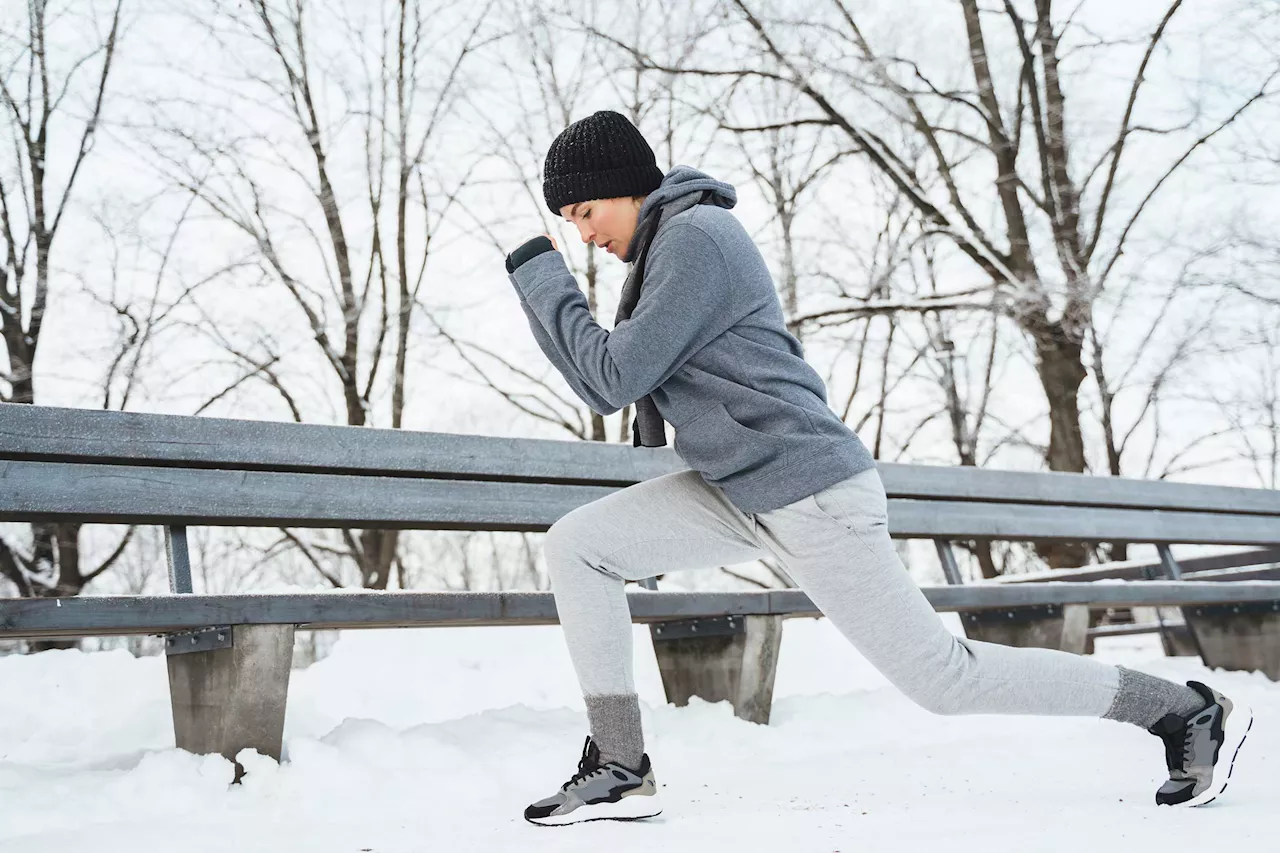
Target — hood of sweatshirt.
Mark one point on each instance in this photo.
(682, 180)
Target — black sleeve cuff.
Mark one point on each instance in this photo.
(530, 249)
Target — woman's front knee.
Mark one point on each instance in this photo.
(566, 534)
(568, 547)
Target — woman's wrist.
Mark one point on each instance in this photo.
(528, 250)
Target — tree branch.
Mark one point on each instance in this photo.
(1124, 235)
(1118, 148)
(883, 158)
(112, 558)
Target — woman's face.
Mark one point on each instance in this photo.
(607, 222)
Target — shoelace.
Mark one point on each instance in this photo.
(1185, 755)
(586, 767)
(1177, 747)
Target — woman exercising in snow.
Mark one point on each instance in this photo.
(772, 472)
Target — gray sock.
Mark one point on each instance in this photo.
(615, 727)
(1143, 699)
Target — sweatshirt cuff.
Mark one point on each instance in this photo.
(538, 270)
(531, 248)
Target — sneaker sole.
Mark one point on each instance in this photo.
(628, 808)
(1238, 726)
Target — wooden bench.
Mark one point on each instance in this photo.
(1109, 509)
(1174, 625)
(228, 656)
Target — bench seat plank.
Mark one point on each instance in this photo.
(108, 615)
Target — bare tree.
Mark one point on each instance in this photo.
(52, 108)
(31, 208)
(130, 291)
(356, 299)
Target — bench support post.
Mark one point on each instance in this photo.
(230, 692)
(175, 543)
(227, 684)
(1183, 643)
(1170, 623)
(950, 568)
(1238, 636)
(730, 658)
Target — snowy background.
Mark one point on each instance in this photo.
(436, 739)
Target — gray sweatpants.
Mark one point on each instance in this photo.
(835, 544)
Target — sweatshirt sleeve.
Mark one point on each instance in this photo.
(566, 369)
(687, 301)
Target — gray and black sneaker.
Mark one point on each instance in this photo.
(599, 792)
(1200, 749)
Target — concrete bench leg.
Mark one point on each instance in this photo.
(228, 688)
(732, 657)
(1046, 626)
(1238, 636)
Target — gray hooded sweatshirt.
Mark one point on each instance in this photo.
(708, 341)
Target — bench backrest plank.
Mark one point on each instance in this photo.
(131, 438)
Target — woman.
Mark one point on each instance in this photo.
(772, 472)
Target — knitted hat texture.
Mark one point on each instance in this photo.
(601, 156)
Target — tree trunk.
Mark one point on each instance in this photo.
(1058, 361)
(378, 552)
(57, 544)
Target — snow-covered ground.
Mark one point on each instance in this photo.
(434, 740)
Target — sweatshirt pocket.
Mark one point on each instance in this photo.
(718, 446)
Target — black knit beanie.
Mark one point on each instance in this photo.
(600, 156)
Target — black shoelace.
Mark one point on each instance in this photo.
(587, 765)
(1177, 741)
